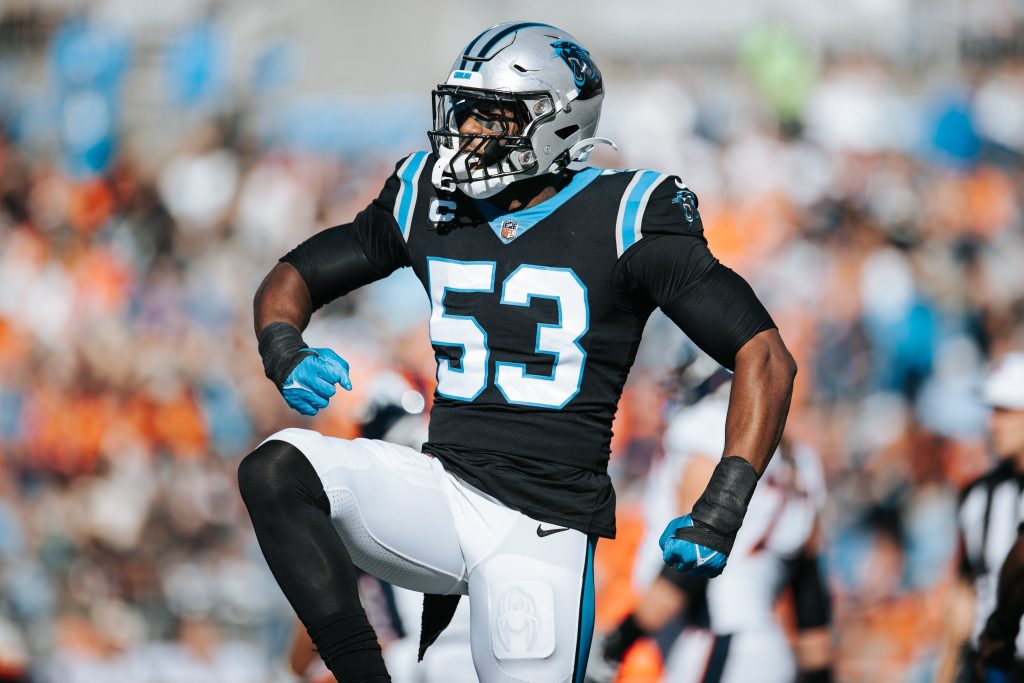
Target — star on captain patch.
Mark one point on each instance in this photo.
(509, 229)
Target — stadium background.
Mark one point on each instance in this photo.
(860, 164)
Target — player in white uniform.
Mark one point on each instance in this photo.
(739, 638)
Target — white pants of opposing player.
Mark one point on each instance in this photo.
(761, 655)
(448, 660)
(406, 520)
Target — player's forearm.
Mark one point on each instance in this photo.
(282, 297)
(762, 388)
(281, 310)
(758, 405)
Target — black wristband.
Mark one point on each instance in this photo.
(281, 348)
(718, 513)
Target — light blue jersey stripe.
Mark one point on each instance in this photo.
(586, 626)
(631, 216)
(527, 218)
(405, 203)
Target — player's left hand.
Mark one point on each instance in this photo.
(686, 555)
(310, 386)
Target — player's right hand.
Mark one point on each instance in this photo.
(310, 385)
(681, 551)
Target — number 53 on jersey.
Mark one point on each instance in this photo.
(558, 340)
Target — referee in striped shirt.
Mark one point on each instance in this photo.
(989, 521)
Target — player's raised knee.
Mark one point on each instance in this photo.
(265, 473)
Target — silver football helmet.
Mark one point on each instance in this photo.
(534, 94)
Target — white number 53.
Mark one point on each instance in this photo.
(560, 340)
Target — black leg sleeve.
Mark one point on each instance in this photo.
(291, 516)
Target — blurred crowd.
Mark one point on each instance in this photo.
(879, 217)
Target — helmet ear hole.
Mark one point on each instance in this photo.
(564, 133)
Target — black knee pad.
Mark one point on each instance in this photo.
(277, 476)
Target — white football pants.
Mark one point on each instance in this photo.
(406, 520)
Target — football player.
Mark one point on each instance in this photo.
(541, 276)
(989, 516)
(732, 632)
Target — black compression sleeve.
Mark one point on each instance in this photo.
(720, 313)
(343, 258)
(714, 306)
(813, 604)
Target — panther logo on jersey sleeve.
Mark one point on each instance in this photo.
(687, 202)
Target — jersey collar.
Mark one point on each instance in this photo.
(509, 226)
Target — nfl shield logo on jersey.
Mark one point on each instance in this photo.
(509, 229)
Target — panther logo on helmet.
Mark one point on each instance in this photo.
(584, 72)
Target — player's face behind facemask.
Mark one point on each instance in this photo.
(482, 137)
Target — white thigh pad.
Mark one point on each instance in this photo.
(530, 618)
(522, 619)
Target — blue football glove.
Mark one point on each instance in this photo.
(310, 385)
(687, 556)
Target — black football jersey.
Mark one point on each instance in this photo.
(536, 316)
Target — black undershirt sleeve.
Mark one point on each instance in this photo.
(341, 259)
(710, 303)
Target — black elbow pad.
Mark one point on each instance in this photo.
(333, 263)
